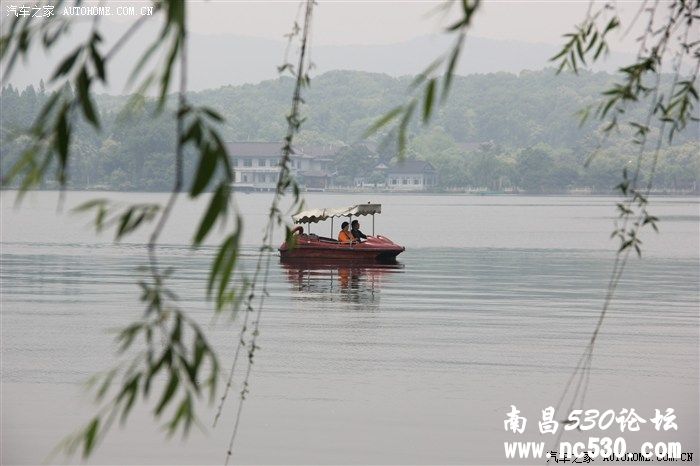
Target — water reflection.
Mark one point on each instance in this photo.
(350, 282)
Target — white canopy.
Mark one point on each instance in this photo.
(318, 215)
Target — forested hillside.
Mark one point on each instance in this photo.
(496, 131)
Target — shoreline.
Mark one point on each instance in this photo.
(400, 193)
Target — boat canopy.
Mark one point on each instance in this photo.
(318, 215)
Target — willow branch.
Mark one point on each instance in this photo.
(179, 150)
(293, 125)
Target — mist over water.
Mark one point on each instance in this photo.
(491, 305)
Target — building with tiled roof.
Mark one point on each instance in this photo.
(256, 165)
(411, 175)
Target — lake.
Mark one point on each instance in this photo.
(490, 306)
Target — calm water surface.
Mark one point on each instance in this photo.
(491, 305)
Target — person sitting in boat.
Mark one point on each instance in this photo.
(345, 236)
(356, 233)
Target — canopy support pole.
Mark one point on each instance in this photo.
(372, 224)
(331, 227)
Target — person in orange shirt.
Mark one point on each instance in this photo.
(345, 236)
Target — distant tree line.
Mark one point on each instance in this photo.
(497, 131)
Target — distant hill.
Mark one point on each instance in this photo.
(495, 130)
(481, 55)
(229, 59)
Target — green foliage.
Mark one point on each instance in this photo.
(428, 82)
(165, 344)
(670, 104)
(542, 168)
(534, 168)
(667, 105)
(126, 219)
(276, 218)
(354, 161)
(515, 112)
(64, 128)
(588, 40)
(222, 270)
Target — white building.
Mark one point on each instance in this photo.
(256, 165)
(411, 175)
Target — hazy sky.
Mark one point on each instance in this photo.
(382, 22)
(352, 22)
(349, 22)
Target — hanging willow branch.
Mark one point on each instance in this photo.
(671, 107)
(276, 218)
(165, 344)
(434, 82)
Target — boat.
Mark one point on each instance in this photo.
(308, 246)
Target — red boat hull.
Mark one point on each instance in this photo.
(375, 248)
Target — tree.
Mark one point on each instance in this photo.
(486, 166)
(50, 145)
(534, 166)
(377, 178)
(354, 161)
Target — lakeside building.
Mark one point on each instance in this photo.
(256, 168)
(256, 165)
(410, 175)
